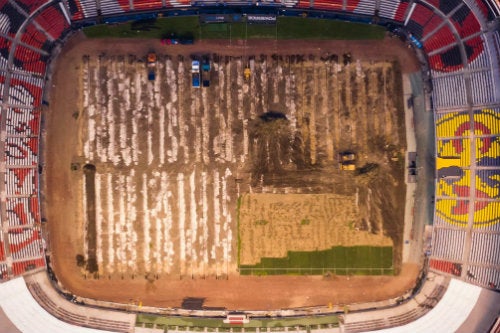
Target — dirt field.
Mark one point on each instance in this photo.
(168, 161)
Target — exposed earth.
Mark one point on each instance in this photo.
(155, 162)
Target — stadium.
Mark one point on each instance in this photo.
(96, 135)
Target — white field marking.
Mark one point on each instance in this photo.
(172, 117)
(181, 205)
(278, 75)
(226, 200)
(205, 126)
(107, 108)
(264, 82)
(325, 94)
(85, 224)
(111, 223)
(241, 114)
(245, 140)
(195, 107)
(204, 217)
(168, 244)
(228, 135)
(161, 139)
(120, 229)
(290, 102)
(146, 224)
(180, 115)
(98, 221)
(216, 203)
(149, 115)
(132, 237)
(125, 104)
(139, 105)
(218, 139)
(193, 219)
(125, 148)
(312, 122)
(109, 124)
(86, 103)
(252, 90)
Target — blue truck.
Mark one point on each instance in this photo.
(195, 73)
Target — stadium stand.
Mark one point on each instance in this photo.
(463, 52)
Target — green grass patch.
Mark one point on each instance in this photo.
(286, 28)
(276, 323)
(341, 260)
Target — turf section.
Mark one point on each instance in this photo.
(341, 260)
(212, 323)
(286, 28)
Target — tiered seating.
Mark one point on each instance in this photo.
(448, 60)
(30, 5)
(484, 8)
(485, 249)
(465, 22)
(361, 7)
(303, 4)
(483, 87)
(328, 4)
(21, 182)
(21, 267)
(52, 20)
(442, 38)
(419, 19)
(446, 266)
(11, 19)
(187, 3)
(2, 251)
(25, 90)
(36, 38)
(23, 121)
(64, 314)
(441, 93)
(488, 183)
(25, 243)
(80, 9)
(21, 151)
(114, 6)
(447, 124)
(482, 60)
(488, 151)
(157, 4)
(22, 211)
(29, 60)
(450, 211)
(485, 276)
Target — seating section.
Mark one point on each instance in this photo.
(36, 38)
(441, 93)
(24, 266)
(448, 243)
(329, 4)
(484, 276)
(446, 266)
(30, 60)
(52, 20)
(109, 7)
(24, 122)
(365, 7)
(154, 4)
(78, 319)
(22, 212)
(393, 10)
(82, 9)
(30, 6)
(25, 90)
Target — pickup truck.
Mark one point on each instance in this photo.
(195, 73)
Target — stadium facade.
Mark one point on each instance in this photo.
(458, 43)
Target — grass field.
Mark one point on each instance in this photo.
(210, 323)
(286, 28)
(341, 260)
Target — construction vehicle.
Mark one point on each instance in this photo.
(347, 161)
(151, 64)
(195, 73)
(247, 72)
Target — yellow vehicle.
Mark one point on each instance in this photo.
(347, 161)
(247, 72)
(350, 166)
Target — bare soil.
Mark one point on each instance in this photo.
(210, 274)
